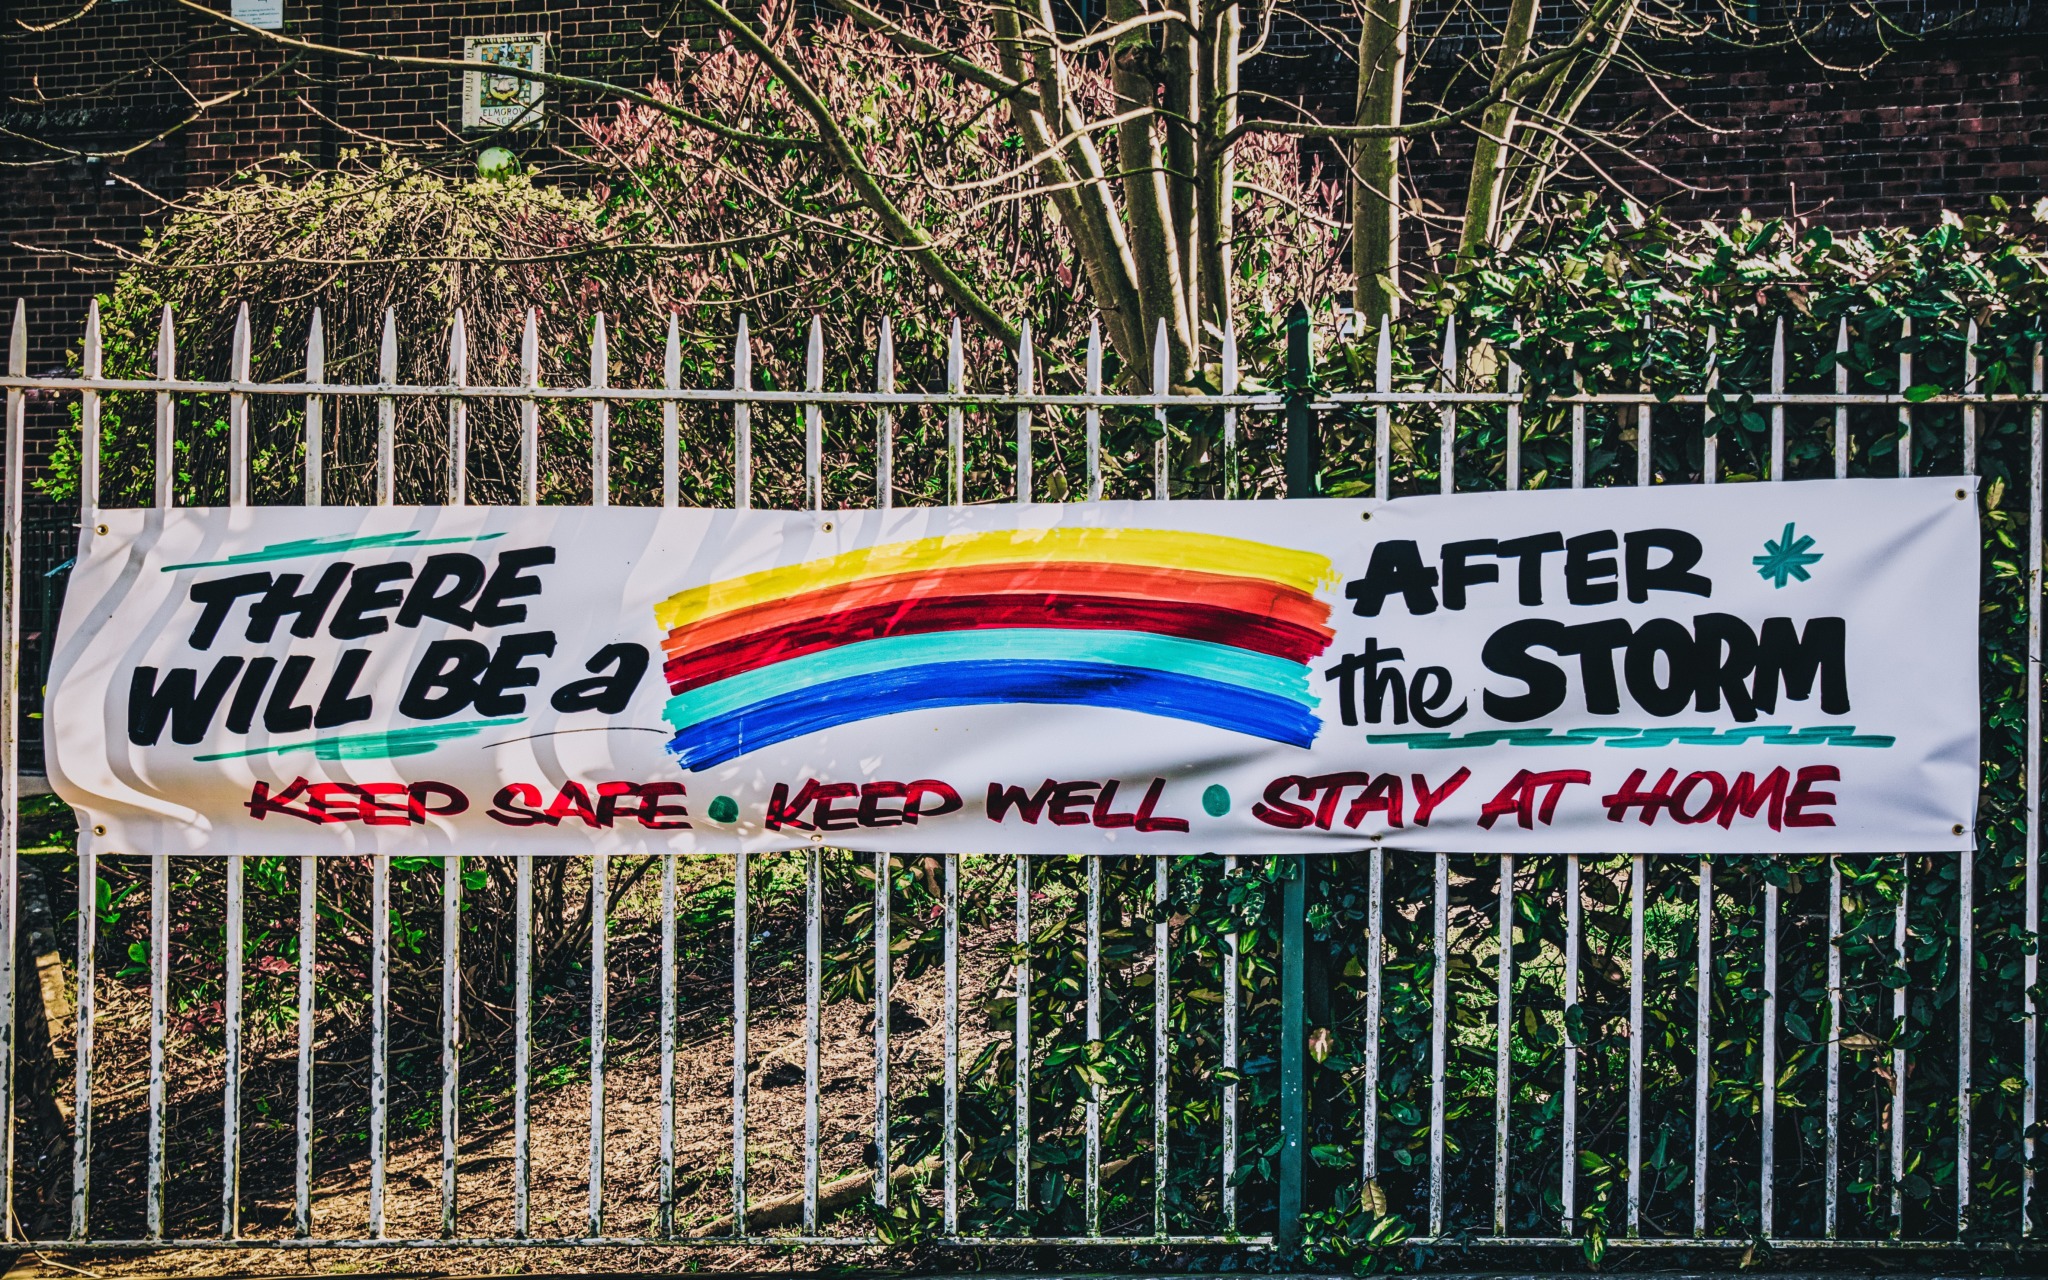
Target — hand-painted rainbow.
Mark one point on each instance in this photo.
(1191, 626)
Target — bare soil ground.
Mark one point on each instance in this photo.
(560, 1114)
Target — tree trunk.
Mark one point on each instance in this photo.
(1496, 133)
(1217, 179)
(1147, 203)
(1376, 162)
(1082, 193)
(1185, 105)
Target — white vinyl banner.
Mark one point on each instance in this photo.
(1752, 668)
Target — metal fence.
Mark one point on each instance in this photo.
(1442, 1102)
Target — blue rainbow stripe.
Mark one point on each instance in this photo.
(936, 685)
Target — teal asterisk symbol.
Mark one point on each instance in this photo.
(1786, 558)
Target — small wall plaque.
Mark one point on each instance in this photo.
(265, 14)
(492, 100)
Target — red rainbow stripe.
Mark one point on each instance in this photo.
(1229, 593)
(1257, 632)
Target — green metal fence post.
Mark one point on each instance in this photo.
(1301, 483)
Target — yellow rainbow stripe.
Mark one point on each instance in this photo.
(1304, 571)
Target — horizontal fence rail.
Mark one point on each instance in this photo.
(1491, 1050)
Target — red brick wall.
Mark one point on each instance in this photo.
(61, 225)
(1934, 126)
(1896, 145)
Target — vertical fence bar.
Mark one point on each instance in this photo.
(238, 411)
(1447, 416)
(1966, 961)
(89, 421)
(1514, 440)
(522, 1047)
(1898, 1116)
(1638, 874)
(1027, 376)
(451, 1025)
(1568, 1191)
(387, 410)
(1905, 408)
(956, 385)
(2030, 972)
(1646, 455)
(600, 1026)
(1578, 434)
(316, 439)
(1162, 1045)
(1966, 870)
(458, 413)
(883, 974)
(1375, 948)
(159, 1002)
(10, 758)
(1021, 1039)
(81, 1114)
(600, 420)
(231, 1058)
(1383, 430)
(742, 940)
(1970, 388)
(885, 436)
(1778, 410)
(302, 1162)
(1229, 388)
(1832, 1104)
(665, 1188)
(1766, 1189)
(380, 1030)
(1842, 410)
(671, 447)
(814, 425)
(1702, 1046)
(742, 419)
(1503, 1032)
(1092, 416)
(166, 405)
(1768, 1147)
(951, 908)
(529, 412)
(1439, 1023)
(1292, 1163)
(1161, 387)
(88, 857)
(1710, 448)
(1091, 1189)
(1231, 962)
(814, 962)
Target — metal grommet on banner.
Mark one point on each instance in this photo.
(828, 526)
(99, 829)
(1961, 495)
(1365, 515)
(1958, 829)
(99, 528)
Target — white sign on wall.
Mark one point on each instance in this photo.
(1739, 669)
(494, 99)
(267, 15)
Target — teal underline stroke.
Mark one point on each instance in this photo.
(303, 547)
(1775, 735)
(390, 744)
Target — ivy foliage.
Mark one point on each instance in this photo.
(1610, 299)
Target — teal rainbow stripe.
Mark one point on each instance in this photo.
(1195, 659)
